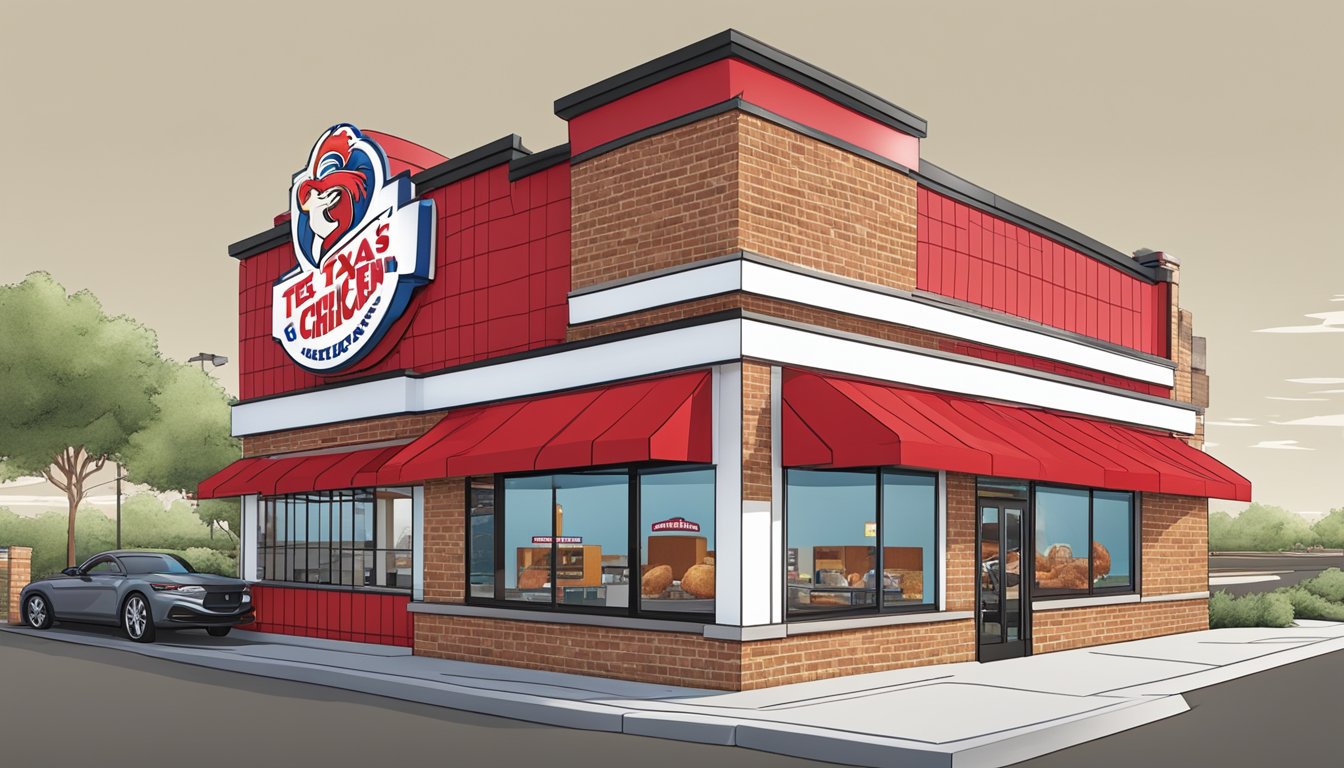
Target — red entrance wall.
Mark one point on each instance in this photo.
(360, 617)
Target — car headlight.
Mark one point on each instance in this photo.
(177, 589)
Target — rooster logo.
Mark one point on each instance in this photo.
(363, 244)
(331, 195)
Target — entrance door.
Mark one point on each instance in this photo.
(1001, 610)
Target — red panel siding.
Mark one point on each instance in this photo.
(726, 79)
(972, 256)
(360, 617)
(502, 278)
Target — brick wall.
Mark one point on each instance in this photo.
(445, 540)
(656, 203)
(802, 658)
(690, 659)
(1080, 627)
(735, 181)
(627, 654)
(1175, 544)
(960, 570)
(15, 573)
(344, 433)
(756, 442)
(817, 206)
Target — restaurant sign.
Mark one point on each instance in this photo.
(363, 244)
(675, 524)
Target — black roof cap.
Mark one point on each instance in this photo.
(734, 44)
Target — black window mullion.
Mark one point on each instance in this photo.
(1091, 533)
(634, 559)
(879, 599)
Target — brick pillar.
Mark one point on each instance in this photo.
(445, 540)
(16, 574)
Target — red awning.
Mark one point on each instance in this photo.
(295, 474)
(663, 419)
(836, 422)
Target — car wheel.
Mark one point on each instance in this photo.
(218, 631)
(137, 621)
(37, 612)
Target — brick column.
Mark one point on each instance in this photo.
(15, 576)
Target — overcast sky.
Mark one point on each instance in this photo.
(142, 140)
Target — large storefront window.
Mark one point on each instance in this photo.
(676, 529)
(356, 538)
(835, 520)
(564, 541)
(1084, 541)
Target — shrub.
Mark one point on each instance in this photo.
(1308, 605)
(208, 560)
(1329, 585)
(1264, 610)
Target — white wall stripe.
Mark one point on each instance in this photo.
(811, 290)
(690, 347)
(792, 346)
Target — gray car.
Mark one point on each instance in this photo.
(141, 592)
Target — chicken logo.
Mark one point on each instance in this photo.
(363, 244)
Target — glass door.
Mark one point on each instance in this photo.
(1001, 593)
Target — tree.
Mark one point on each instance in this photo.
(77, 384)
(1330, 529)
(188, 440)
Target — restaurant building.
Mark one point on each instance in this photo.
(733, 389)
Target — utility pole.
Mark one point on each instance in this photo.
(118, 468)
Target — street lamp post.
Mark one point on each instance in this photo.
(120, 476)
(208, 357)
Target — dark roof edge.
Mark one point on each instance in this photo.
(734, 44)
(946, 182)
(538, 161)
(502, 150)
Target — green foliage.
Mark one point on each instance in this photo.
(1260, 610)
(225, 511)
(211, 561)
(1259, 528)
(1330, 529)
(146, 524)
(94, 533)
(1328, 585)
(71, 375)
(1308, 605)
(189, 439)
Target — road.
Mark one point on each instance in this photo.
(1286, 568)
(72, 704)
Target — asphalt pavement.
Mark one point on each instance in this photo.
(1285, 568)
(68, 704)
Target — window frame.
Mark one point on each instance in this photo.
(878, 608)
(1135, 544)
(634, 556)
(286, 552)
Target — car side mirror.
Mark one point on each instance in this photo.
(72, 571)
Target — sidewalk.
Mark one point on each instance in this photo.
(949, 715)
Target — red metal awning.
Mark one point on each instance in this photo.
(295, 474)
(836, 422)
(663, 419)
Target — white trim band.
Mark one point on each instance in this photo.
(1176, 597)
(695, 346)
(817, 291)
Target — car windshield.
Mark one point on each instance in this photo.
(155, 564)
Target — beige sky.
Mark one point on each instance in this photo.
(141, 140)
